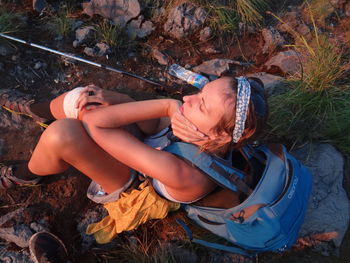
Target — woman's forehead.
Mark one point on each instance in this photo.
(215, 95)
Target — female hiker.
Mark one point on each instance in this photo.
(226, 112)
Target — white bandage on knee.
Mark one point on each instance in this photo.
(69, 103)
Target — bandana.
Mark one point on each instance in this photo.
(243, 97)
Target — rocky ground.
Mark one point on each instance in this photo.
(59, 204)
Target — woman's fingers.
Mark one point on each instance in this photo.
(184, 129)
(90, 94)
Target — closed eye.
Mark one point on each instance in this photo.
(202, 106)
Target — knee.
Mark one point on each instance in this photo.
(63, 133)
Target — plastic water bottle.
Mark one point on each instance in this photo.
(190, 77)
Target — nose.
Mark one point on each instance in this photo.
(190, 99)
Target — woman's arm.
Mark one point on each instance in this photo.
(103, 126)
(93, 97)
(116, 116)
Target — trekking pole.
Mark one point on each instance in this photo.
(82, 60)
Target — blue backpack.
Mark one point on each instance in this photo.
(270, 216)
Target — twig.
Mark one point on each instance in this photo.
(9, 206)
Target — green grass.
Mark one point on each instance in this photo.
(61, 24)
(114, 36)
(110, 34)
(302, 115)
(317, 105)
(9, 22)
(250, 11)
(224, 16)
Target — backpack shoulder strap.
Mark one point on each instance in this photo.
(218, 169)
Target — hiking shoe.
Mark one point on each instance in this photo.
(18, 103)
(8, 180)
(45, 247)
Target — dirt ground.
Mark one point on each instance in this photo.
(61, 199)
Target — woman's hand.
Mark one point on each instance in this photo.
(184, 129)
(92, 97)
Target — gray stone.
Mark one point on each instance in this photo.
(205, 34)
(273, 84)
(83, 35)
(184, 20)
(38, 65)
(40, 5)
(119, 11)
(41, 226)
(287, 61)
(215, 66)
(327, 217)
(18, 234)
(139, 28)
(2, 67)
(91, 216)
(76, 24)
(99, 50)
(6, 50)
(160, 57)
(272, 39)
(10, 121)
(7, 256)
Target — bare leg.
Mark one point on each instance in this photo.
(56, 107)
(65, 143)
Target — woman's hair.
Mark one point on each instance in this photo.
(256, 118)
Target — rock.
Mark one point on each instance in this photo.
(347, 9)
(272, 39)
(7, 256)
(18, 234)
(210, 50)
(205, 34)
(91, 216)
(139, 28)
(39, 65)
(6, 50)
(287, 61)
(76, 24)
(184, 20)
(273, 84)
(327, 216)
(338, 3)
(40, 5)
(303, 29)
(293, 20)
(99, 50)
(10, 121)
(119, 11)
(160, 57)
(83, 35)
(40, 226)
(244, 28)
(2, 67)
(215, 66)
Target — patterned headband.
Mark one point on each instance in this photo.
(243, 97)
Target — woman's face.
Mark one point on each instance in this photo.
(206, 108)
